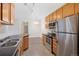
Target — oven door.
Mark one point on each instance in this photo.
(48, 40)
(48, 43)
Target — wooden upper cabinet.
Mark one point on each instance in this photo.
(0, 11)
(60, 13)
(68, 9)
(51, 17)
(54, 16)
(12, 13)
(6, 12)
(76, 8)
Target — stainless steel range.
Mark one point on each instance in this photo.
(49, 41)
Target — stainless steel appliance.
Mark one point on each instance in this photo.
(67, 35)
(48, 41)
(52, 25)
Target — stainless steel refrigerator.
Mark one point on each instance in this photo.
(67, 35)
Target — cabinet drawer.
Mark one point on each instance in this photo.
(68, 9)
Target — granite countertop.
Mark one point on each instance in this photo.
(4, 51)
(48, 36)
(2, 36)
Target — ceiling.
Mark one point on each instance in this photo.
(35, 10)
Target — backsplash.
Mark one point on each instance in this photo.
(2, 29)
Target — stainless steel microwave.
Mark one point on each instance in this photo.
(52, 25)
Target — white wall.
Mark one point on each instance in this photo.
(34, 29)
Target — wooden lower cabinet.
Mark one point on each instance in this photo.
(21, 51)
(23, 45)
(55, 47)
(20, 48)
(25, 42)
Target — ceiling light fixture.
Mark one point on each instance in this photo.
(30, 6)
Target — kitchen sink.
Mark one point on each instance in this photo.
(2, 40)
(8, 44)
(9, 47)
(13, 40)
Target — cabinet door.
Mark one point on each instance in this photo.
(55, 47)
(6, 12)
(25, 42)
(51, 17)
(76, 8)
(20, 48)
(12, 13)
(68, 9)
(60, 13)
(54, 16)
(0, 11)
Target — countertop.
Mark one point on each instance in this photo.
(3, 35)
(4, 51)
(48, 36)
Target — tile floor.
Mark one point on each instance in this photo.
(36, 48)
